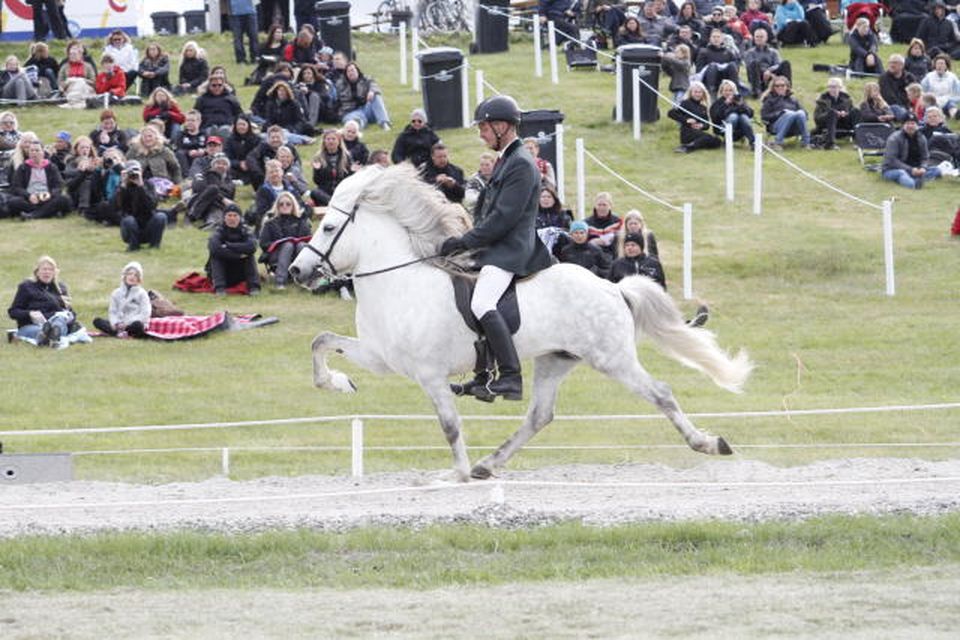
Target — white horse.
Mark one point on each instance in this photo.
(408, 323)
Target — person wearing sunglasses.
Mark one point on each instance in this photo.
(415, 141)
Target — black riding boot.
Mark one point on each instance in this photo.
(481, 376)
(508, 384)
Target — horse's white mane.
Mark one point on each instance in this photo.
(421, 209)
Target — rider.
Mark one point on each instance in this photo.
(504, 238)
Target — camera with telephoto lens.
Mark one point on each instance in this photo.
(107, 163)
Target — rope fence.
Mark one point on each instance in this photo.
(358, 448)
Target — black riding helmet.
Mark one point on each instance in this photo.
(503, 108)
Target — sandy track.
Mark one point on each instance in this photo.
(602, 495)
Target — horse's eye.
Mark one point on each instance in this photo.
(329, 228)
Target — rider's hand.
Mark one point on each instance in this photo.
(452, 245)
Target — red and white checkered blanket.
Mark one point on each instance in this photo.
(182, 327)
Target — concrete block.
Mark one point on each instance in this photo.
(26, 468)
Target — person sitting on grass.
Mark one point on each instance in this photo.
(41, 308)
(130, 307)
(154, 70)
(906, 155)
(693, 116)
(111, 80)
(581, 252)
(729, 108)
(121, 50)
(14, 82)
(193, 69)
(232, 259)
(783, 115)
(161, 105)
(604, 225)
(36, 188)
(874, 108)
(283, 236)
(108, 134)
(636, 262)
(864, 48)
(834, 111)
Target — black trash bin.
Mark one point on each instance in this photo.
(441, 82)
(400, 16)
(492, 26)
(333, 25)
(646, 58)
(542, 125)
(166, 23)
(194, 22)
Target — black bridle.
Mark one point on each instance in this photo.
(325, 257)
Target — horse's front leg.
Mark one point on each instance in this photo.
(443, 401)
(352, 349)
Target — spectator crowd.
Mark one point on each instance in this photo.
(197, 146)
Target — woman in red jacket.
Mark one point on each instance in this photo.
(162, 106)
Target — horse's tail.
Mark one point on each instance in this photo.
(656, 315)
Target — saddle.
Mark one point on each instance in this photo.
(463, 287)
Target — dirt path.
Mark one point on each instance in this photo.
(596, 494)
(870, 605)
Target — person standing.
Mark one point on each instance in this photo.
(243, 20)
(47, 17)
(505, 239)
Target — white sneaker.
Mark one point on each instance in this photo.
(345, 294)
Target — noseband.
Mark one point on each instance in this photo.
(325, 257)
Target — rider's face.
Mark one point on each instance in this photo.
(489, 133)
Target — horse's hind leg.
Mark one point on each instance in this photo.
(636, 378)
(549, 371)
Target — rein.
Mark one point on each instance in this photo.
(325, 257)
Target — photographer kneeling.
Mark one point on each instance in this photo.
(136, 203)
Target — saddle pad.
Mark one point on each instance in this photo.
(507, 306)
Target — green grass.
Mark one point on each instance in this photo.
(466, 555)
(801, 287)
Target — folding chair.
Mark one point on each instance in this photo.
(870, 139)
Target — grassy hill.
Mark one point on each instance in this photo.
(801, 287)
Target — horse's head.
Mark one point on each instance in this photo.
(334, 248)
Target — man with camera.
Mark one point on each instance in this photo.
(136, 203)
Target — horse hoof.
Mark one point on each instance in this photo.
(723, 448)
(480, 473)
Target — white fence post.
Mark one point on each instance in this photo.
(558, 170)
(635, 89)
(537, 53)
(356, 447)
(687, 251)
(888, 244)
(757, 173)
(728, 132)
(403, 53)
(619, 75)
(479, 86)
(225, 462)
(415, 45)
(465, 94)
(581, 180)
(552, 36)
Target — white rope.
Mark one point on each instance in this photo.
(494, 11)
(631, 185)
(535, 447)
(779, 413)
(490, 86)
(445, 72)
(821, 181)
(126, 504)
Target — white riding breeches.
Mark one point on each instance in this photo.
(491, 284)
